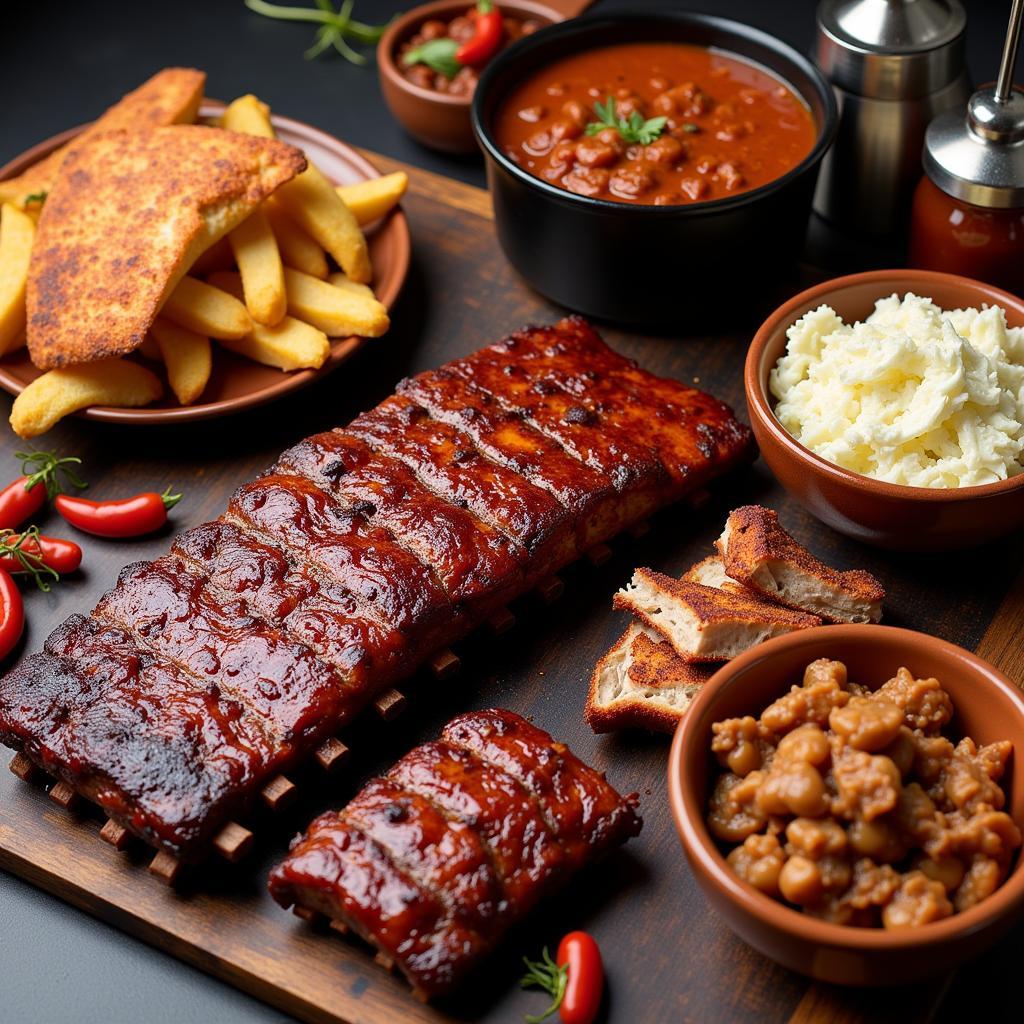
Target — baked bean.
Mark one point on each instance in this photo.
(805, 743)
(948, 870)
(879, 839)
(586, 181)
(867, 723)
(531, 115)
(735, 744)
(575, 111)
(631, 181)
(800, 881)
(593, 152)
(918, 901)
(565, 129)
(815, 837)
(759, 861)
(792, 787)
(732, 818)
(884, 823)
(664, 150)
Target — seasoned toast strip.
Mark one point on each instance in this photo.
(710, 572)
(171, 96)
(704, 624)
(642, 683)
(128, 215)
(759, 553)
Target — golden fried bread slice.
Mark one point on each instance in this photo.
(702, 623)
(171, 96)
(129, 214)
(642, 683)
(759, 553)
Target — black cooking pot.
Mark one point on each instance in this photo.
(656, 266)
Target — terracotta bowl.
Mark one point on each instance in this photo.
(988, 708)
(436, 119)
(887, 515)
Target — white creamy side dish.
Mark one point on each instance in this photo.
(914, 395)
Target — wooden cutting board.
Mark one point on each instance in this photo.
(669, 957)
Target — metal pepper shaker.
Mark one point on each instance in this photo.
(895, 65)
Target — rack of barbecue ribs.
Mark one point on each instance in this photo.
(434, 861)
(363, 552)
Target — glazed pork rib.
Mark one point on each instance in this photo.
(432, 863)
(358, 555)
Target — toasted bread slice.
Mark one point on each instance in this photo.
(642, 683)
(702, 623)
(759, 553)
(710, 572)
(171, 96)
(127, 217)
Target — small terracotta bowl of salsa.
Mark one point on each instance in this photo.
(433, 107)
(987, 707)
(653, 169)
(895, 516)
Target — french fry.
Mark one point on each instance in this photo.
(17, 231)
(297, 249)
(337, 311)
(248, 115)
(58, 393)
(218, 257)
(259, 263)
(289, 345)
(309, 199)
(370, 200)
(187, 358)
(206, 310)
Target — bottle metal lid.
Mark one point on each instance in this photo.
(891, 49)
(980, 158)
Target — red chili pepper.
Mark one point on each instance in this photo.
(32, 552)
(575, 981)
(23, 498)
(579, 953)
(126, 517)
(12, 615)
(486, 41)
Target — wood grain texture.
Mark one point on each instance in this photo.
(669, 957)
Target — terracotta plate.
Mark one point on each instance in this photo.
(238, 383)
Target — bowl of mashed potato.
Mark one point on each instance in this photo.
(891, 404)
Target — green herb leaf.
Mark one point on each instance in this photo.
(547, 975)
(336, 27)
(438, 54)
(631, 129)
(690, 128)
(36, 197)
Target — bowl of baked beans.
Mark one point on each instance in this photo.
(643, 166)
(850, 799)
(430, 60)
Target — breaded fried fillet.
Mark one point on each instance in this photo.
(704, 624)
(759, 553)
(171, 96)
(127, 216)
(642, 683)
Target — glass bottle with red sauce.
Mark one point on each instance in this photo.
(968, 210)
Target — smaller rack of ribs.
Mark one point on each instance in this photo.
(205, 674)
(434, 861)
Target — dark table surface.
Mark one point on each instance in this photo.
(61, 64)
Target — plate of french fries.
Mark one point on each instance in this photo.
(283, 298)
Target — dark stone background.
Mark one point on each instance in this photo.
(60, 65)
